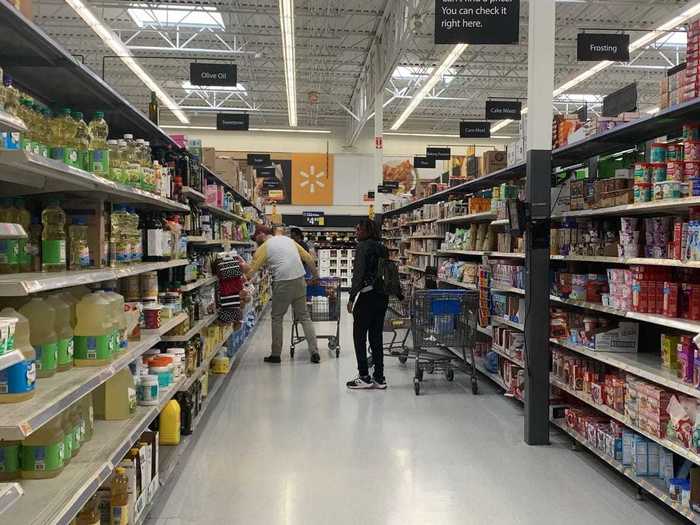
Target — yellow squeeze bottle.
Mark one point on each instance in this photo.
(170, 424)
(93, 331)
(41, 316)
(64, 331)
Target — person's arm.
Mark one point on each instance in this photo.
(259, 260)
(358, 271)
(307, 260)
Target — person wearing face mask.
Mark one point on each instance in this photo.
(368, 304)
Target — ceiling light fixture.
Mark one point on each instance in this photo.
(263, 130)
(117, 46)
(429, 84)
(642, 41)
(289, 55)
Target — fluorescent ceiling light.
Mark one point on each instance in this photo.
(117, 46)
(430, 84)
(645, 40)
(410, 73)
(238, 88)
(264, 130)
(168, 15)
(440, 135)
(289, 55)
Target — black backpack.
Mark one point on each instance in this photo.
(388, 280)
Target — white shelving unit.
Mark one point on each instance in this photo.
(206, 281)
(194, 330)
(337, 262)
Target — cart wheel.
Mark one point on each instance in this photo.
(475, 387)
(449, 374)
(337, 353)
(416, 386)
(291, 352)
(419, 374)
(332, 343)
(403, 358)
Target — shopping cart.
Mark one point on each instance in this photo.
(443, 323)
(323, 302)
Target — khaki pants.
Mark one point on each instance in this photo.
(284, 294)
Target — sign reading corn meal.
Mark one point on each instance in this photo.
(477, 21)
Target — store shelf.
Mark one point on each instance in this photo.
(9, 495)
(669, 322)
(500, 222)
(21, 284)
(508, 322)
(196, 328)
(237, 195)
(487, 216)
(587, 258)
(508, 289)
(55, 394)
(654, 486)
(642, 208)
(505, 255)
(644, 261)
(515, 171)
(224, 213)
(424, 254)
(475, 253)
(10, 123)
(486, 330)
(460, 284)
(27, 173)
(10, 230)
(192, 194)
(10, 358)
(666, 443)
(422, 221)
(646, 366)
(204, 366)
(206, 281)
(424, 237)
(500, 351)
(415, 268)
(166, 326)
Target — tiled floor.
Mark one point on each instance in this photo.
(289, 445)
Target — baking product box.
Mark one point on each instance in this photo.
(493, 161)
(624, 338)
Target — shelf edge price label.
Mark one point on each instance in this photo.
(315, 218)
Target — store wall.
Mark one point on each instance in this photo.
(354, 175)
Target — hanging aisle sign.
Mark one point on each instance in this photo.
(439, 153)
(213, 74)
(594, 47)
(258, 160)
(622, 101)
(477, 21)
(503, 109)
(475, 130)
(423, 162)
(232, 121)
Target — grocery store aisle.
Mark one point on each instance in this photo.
(289, 445)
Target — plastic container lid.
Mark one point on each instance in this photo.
(160, 361)
(176, 351)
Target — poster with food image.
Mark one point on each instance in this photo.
(274, 182)
(402, 171)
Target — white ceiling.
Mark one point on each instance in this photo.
(333, 39)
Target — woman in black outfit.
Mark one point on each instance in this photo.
(368, 306)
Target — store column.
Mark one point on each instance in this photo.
(378, 148)
(541, 41)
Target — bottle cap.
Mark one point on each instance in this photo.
(128, 136)
(78, 115)
(99, 114)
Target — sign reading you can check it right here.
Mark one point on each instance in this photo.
(477, 21)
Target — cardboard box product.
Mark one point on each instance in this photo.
(209, 157)
(624, 338)
(227, 170)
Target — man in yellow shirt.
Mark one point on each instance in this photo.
(284, 258)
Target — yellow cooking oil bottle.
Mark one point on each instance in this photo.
(17, 382)
(93, 331)
(117, 303)
(170, 424)
(119, 501)
(67, 437)
(99, 150)
(63, 131)
(43, 452)
(9, 248)
(41, 316)
(63, 329)
(82, 141)
(87, 415)
(76, 425)
(90, 513)
(24, 249)
(53, 238)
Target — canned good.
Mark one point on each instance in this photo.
(659, 150)
(642, 191)
(149, 286)
(151, 316)
(694, 186)
(692, 150)
(132, 289)
(691, 132)
(675, 170)
(691, 168)
(659, 188)
(642, 172)
(675, 152)
(659, 172)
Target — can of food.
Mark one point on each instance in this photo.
(675, 170)
(151, 315)
(659, 188)
(659, 172)
(149, 286)
(691, 169)
(132, 290)
(694, 186)
(642, 191)
(675, 152)
(659, 151)
(692, 150)
(642, 172)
